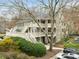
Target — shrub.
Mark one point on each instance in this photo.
(66, 39)
(71, 45)
(17, 38)
(34, 49)
(8, 44)
(39, 49)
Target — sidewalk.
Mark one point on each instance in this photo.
(47, 47)
(57, 48)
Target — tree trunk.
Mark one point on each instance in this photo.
(51, 45)
(52, 17)
(51, 40)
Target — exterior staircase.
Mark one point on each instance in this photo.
(27, 36)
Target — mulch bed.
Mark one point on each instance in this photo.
(49, 54)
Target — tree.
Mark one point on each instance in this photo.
(71, 16)
(54, 7)
(2, 24)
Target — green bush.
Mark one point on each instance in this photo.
(71, 45)
(18, 39)
(33, 49)
(66, 39)
(39, 49)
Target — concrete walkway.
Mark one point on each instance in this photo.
(57, 48)
(47, 47)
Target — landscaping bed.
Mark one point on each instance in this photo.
(12, 47)
(14, 55)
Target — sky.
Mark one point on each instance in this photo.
(30, 2)
(3, 10)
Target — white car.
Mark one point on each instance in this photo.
(67, 56)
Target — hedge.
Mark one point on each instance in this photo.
(33, 49)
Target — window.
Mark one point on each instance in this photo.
(49, 21)
(26, 31)
(18, 30)
(37, 29)
(38, 39)
(43, 29)
(49, 29)
(42, 21)
(54, 30)
(38, 20)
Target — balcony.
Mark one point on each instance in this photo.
(35, 25)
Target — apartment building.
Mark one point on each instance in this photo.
(31, 31)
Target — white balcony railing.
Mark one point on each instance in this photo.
(28, 37)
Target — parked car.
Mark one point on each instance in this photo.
(67, 56)
(69, 50)
(67, 53)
